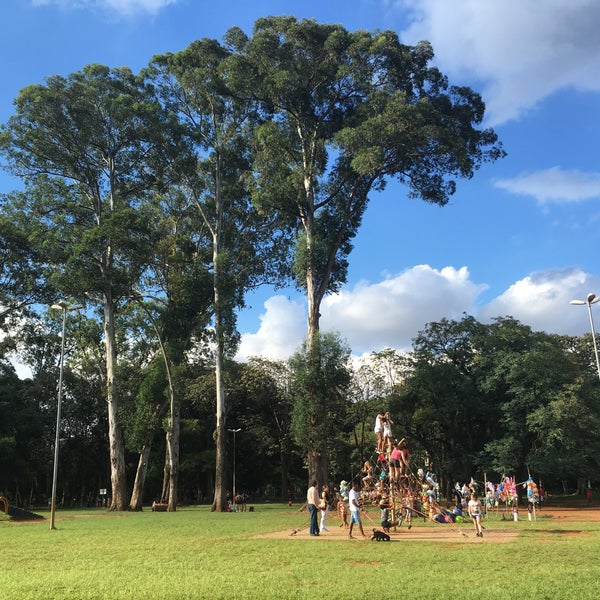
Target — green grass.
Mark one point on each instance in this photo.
(194, 553)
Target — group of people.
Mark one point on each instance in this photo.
(321, 503)
(388, 482)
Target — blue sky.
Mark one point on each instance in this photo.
(521, 238)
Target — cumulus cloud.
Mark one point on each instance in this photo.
(522, 50)
(370, 316)
(282, 329)
(390, 313)
(554, 185)
(123, 7)
(542, 299)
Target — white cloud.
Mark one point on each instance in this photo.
(390, 313)
(369, 316)
(523, 50)
(554, 185)
(541, 300)
(122, 7)
(282, 329)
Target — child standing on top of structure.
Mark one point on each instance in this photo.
(379, 430)
(387, 432)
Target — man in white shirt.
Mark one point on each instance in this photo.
(354, 510)
(312, 501)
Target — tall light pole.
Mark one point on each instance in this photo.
(65, 307)
(591, 299)
(234, 431)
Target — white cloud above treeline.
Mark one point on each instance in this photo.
(522, 50)
(391, 312)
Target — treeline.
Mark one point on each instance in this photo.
(469, 398)
(156, 200)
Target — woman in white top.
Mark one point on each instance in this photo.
(387, 432)
(379, 430)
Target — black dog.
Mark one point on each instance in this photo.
(380, 536)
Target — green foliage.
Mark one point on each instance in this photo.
(500, 398)
(344, 112)
(320, 382)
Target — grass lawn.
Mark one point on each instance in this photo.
(194, 553)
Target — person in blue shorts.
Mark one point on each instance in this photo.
(355, 511)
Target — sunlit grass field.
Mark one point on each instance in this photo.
(194, 553)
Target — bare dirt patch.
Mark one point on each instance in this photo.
(442, 532)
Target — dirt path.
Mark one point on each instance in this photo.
(457, 534)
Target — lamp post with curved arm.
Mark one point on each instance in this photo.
(591, 299)
(65, 307)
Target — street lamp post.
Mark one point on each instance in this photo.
(62, 305)
(234, 431)
(591, 299)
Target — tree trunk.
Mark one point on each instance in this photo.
(115, 435)
(173, 441)
(220, 499)
(164, 494)
(318, 467)
(284, 474)
(137, 495)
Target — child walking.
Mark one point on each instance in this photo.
(474, 508)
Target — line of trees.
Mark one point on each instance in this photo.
(470, 398)
(158, 199)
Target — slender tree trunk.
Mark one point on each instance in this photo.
(137, 495)
(284, 474)
(172, 438)
(164, 495)
(173, 441)
(219, 502)
(115, 434)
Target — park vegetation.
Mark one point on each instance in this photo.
(157, 200)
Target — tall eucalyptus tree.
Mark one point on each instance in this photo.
(344, 112)
(242, 245)
(86, 147)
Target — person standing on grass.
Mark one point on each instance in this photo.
(312, 501)
(355, 511)
(342, 512)
(474, 508)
